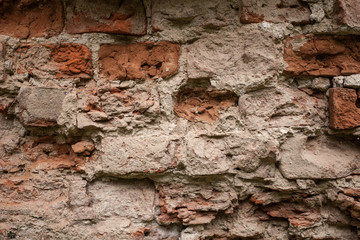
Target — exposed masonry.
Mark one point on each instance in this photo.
(179, 119)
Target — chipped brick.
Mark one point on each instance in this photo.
(297, 214)
(139, 154)
(203, 105)
(191, 15)
(190, 204)
(86, 147)
(46, 153)
(39, 106)
(29, 18)
(66, 60)
(322, 55)
(343, 108)
(117, 17)
(139, 60)
(293, 11)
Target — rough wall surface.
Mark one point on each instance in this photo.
(180, 119)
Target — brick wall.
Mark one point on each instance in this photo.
(189, 120)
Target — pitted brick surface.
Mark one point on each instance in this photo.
(322, 55)
(139, 60)
(203, 105)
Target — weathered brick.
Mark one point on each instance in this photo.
(293, 11)
(282, 107)
(2, 62)
(139, 154)
(323, 55)
(298, 215)
(235, 147)
(234, 58)
(67, 60)
(126, 108)
(318, 158)
(130, 199)
(85, 147)
(139, 60)
(246, 155)
(27, 19)
(197, 203)
(352, 192)
(127, 102)
(344, 110)
(77, 193)
(203, 105)
(348, 12)
(40, 106)
(115, 16)
(23, 186)
(46, 153)
(347, 202)
(192, 15)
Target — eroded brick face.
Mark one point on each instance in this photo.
(198, 204)
(74, 60)
(348, 12)
(114, 16)
(40, 107)
(323, 55)
(22, 187)
(202, 104)
(298, 215)
(67, 60)
(293, 11)
(27, 19)
(191, 15)
(139, 60)
(46, 154)
(344, 108)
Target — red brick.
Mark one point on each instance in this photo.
(86, 147)
(293, 11)
(203, 105)
(348, 12)
(46, 153)
(139, 60)
(180, 203)
(74, 60)
(67, 60)
(298, 215)
(323, 55)
(117, 16)
(344, 113)
(352, 192)
(30, 18)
